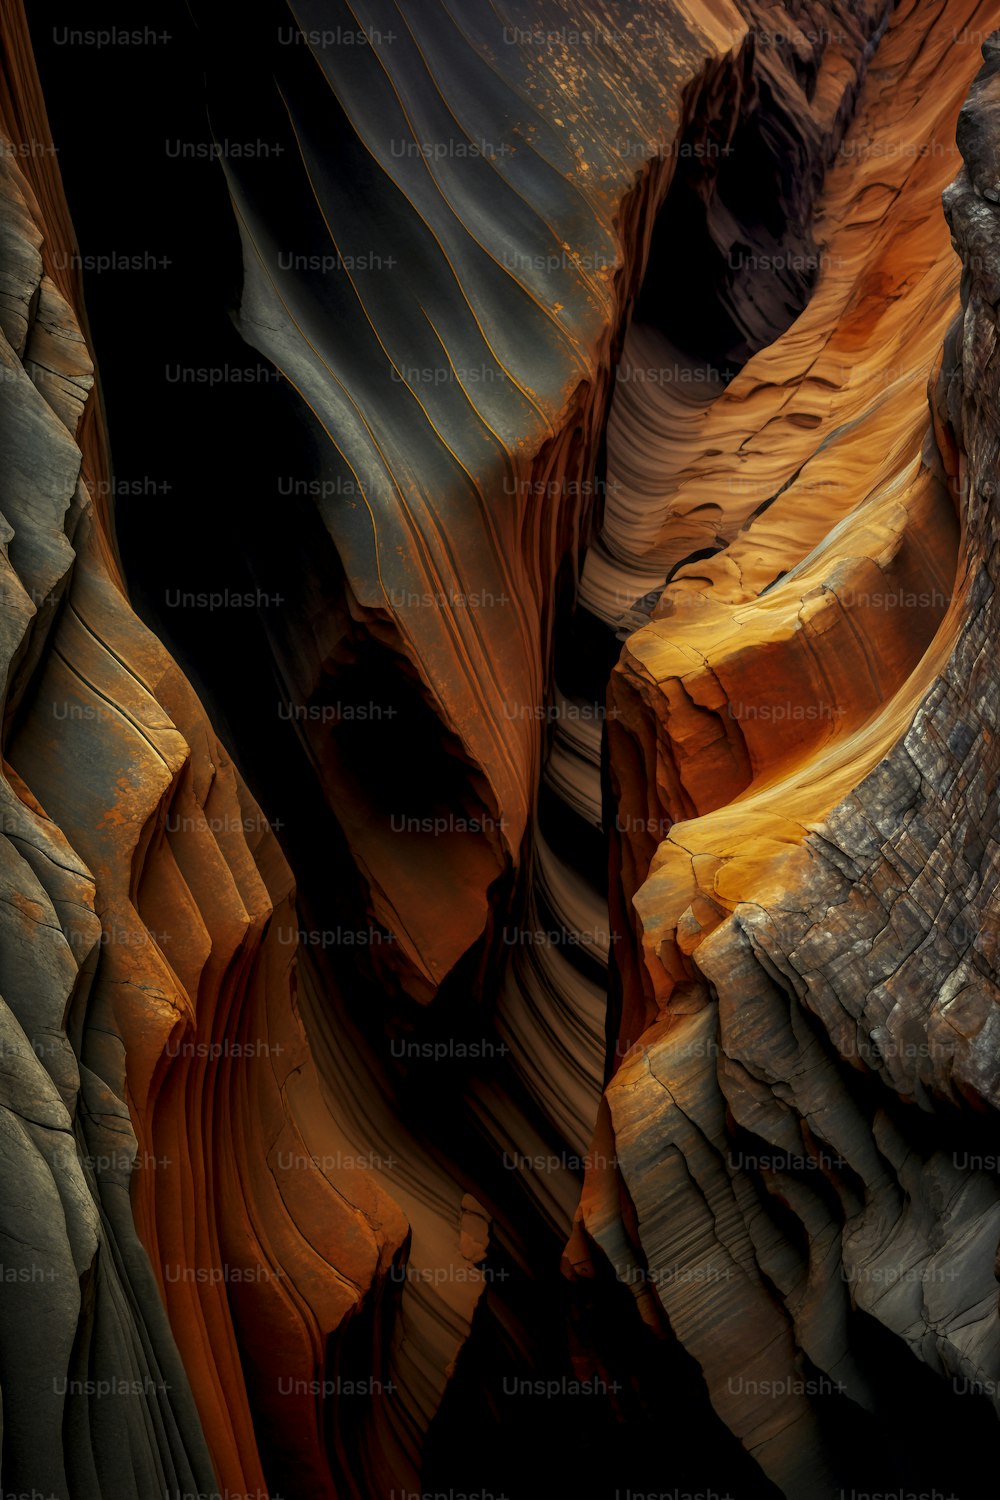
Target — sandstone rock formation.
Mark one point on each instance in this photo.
(800, 719)
(617, 343)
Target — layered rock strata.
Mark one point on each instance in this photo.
(181, 1204)
(803, 766)
(806, 980)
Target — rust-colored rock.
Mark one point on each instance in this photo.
(631, 344)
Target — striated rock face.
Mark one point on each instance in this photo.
(612, 344)
(173, 1177)
(458, 408)
(96, 1399)
(802, 755)
(170, 1153)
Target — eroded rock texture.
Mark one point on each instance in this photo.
(169, 1154)
(82, 1314)
(814, 979)
(599, 326)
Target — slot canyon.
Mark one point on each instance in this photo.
(500, 801)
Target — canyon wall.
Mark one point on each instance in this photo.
(801, 752)
(612, 346)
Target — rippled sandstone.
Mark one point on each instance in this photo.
(237, 1199)
(805, 776)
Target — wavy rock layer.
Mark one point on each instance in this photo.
(96, 1400)
(184, 1130)
(802, 752)
(168, 1152)
(219, 1186)
(460, 405)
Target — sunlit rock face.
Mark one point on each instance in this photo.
(633, 492)
(803, 763)
(441, 268)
